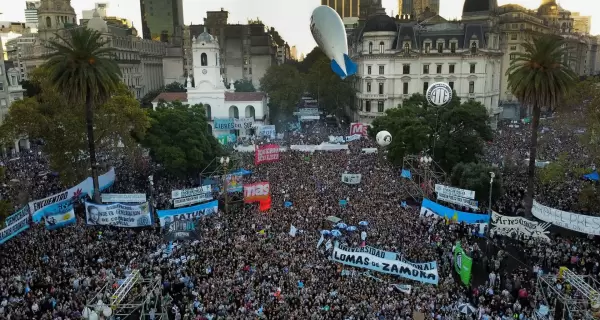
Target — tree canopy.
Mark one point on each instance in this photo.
(179, 139)
(450, 134)
(476, 177)
(285, 85)
(244, 86)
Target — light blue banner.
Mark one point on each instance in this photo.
(429, 207)
(62, 217)
(14, 229)
(388, 255)
(188, 213)
(23, 212)
(379, 263)
(118, 215)
(267, 131)
(224, 124)
(65, 198)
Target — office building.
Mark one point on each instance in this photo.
(353, 8)
(31, 17)
(418, 7)
(162, 20)
(581, 24)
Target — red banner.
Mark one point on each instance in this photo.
(265, 205)
(259, 191)
(358, 128)
(266, 153)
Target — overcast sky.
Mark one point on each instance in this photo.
(289, 17)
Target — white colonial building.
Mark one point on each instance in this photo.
(207, 87)
(400, 57)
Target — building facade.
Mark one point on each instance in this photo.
(209, 89)
(10, 91)
(397, 58)
(31, 16)
(581, 24)
(162, 20)
(418, 7)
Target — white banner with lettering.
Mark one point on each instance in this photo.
(473, 204)
(568, 220)
(204, 190)
(123, 197)
(518, 227)
(351, 178)
(452, 191)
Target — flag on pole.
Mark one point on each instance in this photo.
(462, 264)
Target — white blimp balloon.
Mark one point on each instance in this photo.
(329, 33)
(383, 138)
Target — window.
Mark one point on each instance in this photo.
(427, 47)
(48, 22)
(471, 86)
(370, 47)
(381, 70)
(451, 84)
(3, 103)
(438, 69)
(453, 47)
(1, 86)
(514, 36)
(368, 87)
(451, 68)
(368, 69)
(203, 60)
(513, 48)
(474, 47)
(380, 106)
(512, 56)
(380, 88)
(472, 68)
(440, 47)
(381, 47)
(425, 69)
(368, 106)
(406, 69)
(425, 87)
(407, 48)
(405, 88)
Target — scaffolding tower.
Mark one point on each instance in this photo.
(135, 298)
(217, 171)
(423, 177)
(581, 303)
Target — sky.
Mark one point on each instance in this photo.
(290, 17)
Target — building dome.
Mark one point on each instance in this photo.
(479, 6)
(97, 23)
(380, 21)
(548, 8)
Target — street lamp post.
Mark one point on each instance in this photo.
(489, 228)
(151, 187)
(425, 163)
(225, 163)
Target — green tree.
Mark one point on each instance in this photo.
(540, 77)
(83, 65)
(6, 209)
(476, 177)
(555, 172)
(311, 58)
(285, 86)
(175, 87)
(450, 134)
(333, 93)
(31, 90)
(179, 139)
(244, 86)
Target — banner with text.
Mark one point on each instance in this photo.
(266, 153)
(123, 197)
(358, 128)
(518, 228)
(388, 255)
(342, 139)
(233, 123)
(267, 131)
(568, 220)
(256, 192)
(118, 215)
(471, 204)
(376, 263)
(14, 229)
(191, 196)
(455, 192)
(23, 212)
(196, 212)
(429, 208)
(351, 178)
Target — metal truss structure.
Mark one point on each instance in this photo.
(218, 174)
(424, 176)
(136, 298)
(582, 303)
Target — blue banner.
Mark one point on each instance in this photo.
(429, 207)
(388, 255)
(188, 213)
(62, 216)
(14, 229)
(267, 131)
(23, 212)
(224, 123)
(118, 215)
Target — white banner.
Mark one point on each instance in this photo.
(518, 227)
(457, 192)
(182, 202)
(118, 215)
(568, 220)
(123, 197)
(204, 190)
(459, 201)
(351, 178)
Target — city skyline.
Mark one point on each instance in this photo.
(291, 20)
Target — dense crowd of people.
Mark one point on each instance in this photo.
(246, 264)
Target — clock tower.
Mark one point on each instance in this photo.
(207, 67)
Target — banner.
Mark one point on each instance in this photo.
(321, 147)
(123, 197)
(14, 229)
(266, 153)
(23, 212)
(462, 264)
(227, 138)
(259, 191)
(351, 178)
(196, 212)
(182, 230)
(388, 255)
(429, 208)
(404, 288)
(267, 131)
(118, 215)
(376, 263)
(472, 204)
(182, 202)
(75, 193)
(234, 182)
(358, 128)
(518, 227)
(204, 191)
(233, 123)
(62, 218)
(456, 192)
(568, 220)
(341, 139)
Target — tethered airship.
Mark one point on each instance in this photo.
(328, 31)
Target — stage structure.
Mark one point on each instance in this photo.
(425, 173)
(135, 298)
(222, 166)
(583, 303)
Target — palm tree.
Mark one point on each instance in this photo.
(540, 78)
(82, 66)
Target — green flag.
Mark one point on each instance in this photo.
(462, 264)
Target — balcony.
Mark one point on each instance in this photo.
(372, 96)
(371, 114)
